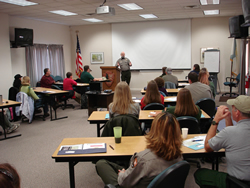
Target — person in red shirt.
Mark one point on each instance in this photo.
(47, 80)
(152, 95)
(68, 83)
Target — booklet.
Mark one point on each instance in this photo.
(195, 143)
(83, 148)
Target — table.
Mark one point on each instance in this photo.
(98, 100)
(182, 81)
(98, 117)
(170, 91)
(78, 84)
(182, 85)
(122, 151)
(8, 104)
(51, 93)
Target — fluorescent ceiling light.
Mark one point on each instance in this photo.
(63, 12)
(210, 2)
(211, 12)
(19, 2)
(92, 20)
(148, 16)
(130, 6)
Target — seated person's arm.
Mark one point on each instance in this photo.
(33, 94)
(222, 113)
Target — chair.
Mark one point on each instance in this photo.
(232, 82)
(154, 106)
(207, 105)
(174, 176)
(233, 182)
(58, 78)
(163, 94)
(193, 128)
(170, 85)
(64, 98)
(129, 123)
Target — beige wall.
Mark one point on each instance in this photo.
(206, 32)
(44, 33)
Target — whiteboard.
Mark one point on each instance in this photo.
(153, 45)
(212, 60)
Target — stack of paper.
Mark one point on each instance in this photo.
(195, 143)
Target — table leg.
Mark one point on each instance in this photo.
(98, 129)
(217, 163)
(213, 164)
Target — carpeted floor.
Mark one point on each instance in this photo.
(31, 153)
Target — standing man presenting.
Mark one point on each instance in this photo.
(124, 64)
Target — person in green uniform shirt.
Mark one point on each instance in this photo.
(125, 65)
(86, 77)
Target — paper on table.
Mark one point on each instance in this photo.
(133, 98)
(172, 99)
(195, 145)
(202, 116)
(94, 146)
(48, 92)
(137, 100)
(107, 116)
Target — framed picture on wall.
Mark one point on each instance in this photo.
(203, 50)
(97, 57)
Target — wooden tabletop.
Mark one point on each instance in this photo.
(48, 91)
(100, 115)
(78, 84)
(183, 80)
(168, 90)
(7, 103)
(128, 146)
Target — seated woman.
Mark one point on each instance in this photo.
(68, 84)
(203, 78)
(196, 69)
(152, 95)
(9, 176)
(185, 105)
(163, 149)
(160, 83)
(122, 102)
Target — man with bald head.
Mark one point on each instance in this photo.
(124, 64)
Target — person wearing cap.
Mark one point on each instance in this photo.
(125, 65)
(47, 80)
(17, 82)
(86, 77)
(234, 139)
(169, 77)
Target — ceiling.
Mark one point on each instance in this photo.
(163, 9)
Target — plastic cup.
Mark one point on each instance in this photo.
(184, 132)
(118, 134)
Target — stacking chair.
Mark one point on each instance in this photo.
(64, 98)
(232, 82)
(154, 106)
(207, 105)
(193, 128)
(58, 78)
(174, 176)
(170, 85)
(233, 182)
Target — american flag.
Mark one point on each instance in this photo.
(79, 67)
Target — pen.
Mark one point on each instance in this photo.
(197, 140)
(111, 147)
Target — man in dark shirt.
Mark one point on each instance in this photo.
(47, 80)
(86, 77)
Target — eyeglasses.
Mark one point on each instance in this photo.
(7, 173)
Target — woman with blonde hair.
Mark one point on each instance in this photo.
(204, 78)
(185, 105)
(27, 89)
(122, 102)
(152, 95)
(163, 149)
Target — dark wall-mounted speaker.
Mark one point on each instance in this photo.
(246, 12)
(235, 29)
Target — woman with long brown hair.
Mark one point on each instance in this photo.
(204, 78)
(185, 105)
(152, 95)
(163, 149)
(122, 102)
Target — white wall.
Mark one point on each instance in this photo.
(5, 60)
(206, 32)
(44, 33)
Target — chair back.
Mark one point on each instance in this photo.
(233, 182)
(238, 78)
(12, 93)
(170, 85)
(154, 106)
(163, 94)
(55, 87)
(27, 106)
(174, 176)
(129, 123)
(58, 78)
(207, 105)
(189, 122)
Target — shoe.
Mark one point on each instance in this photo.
(38, 111)
(46, 114)
(13, 128)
